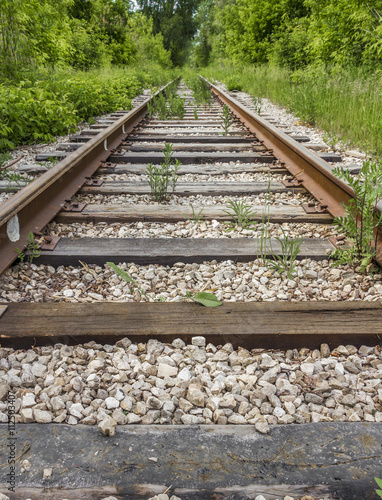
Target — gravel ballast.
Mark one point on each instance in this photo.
(157, 383)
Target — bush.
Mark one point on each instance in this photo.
(39, 109)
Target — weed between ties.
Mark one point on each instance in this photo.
(227, 119)
(204, 298)
(164, 176)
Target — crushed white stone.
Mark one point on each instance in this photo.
(125, 383)
(276, 199)
(230, 281)
(186, 229)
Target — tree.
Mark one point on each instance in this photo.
(175, 20)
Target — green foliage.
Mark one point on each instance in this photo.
(38, 110)
(83, 35)
(196, 117)
(205, 299)
(379, 483)
(162, 177)
(257, 103)
(176, 106)
(241, 213)
(31, 247)
(233, 83)
(168, 105)
(200, 90)
(292, 33)
(196, 216)
(227, 119)
(342, 102)
(175, 21)
(290, 248)
(360, 221)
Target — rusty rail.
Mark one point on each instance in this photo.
(313, 172)
(34, 206)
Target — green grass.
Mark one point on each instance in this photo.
(344, 103)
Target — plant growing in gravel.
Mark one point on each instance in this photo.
(204, 298)
(331, 140)
(196, 114)
(360, 222)
(10, 176)
(257, 103)
(32, 247)
(379, 482)
(196, 216)
(161, 177)
(227, 119)
(241, 213)
(176, 106)
(200, 90)
(126, 276)
(290, 248)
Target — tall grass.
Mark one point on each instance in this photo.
(346, 103)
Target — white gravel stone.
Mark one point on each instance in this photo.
(107, 426)
(42, 417)
(111, 403)
(198, 341)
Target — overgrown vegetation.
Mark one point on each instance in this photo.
(164, 176)
(168, 105)
(227, 119)
(200, 90)
(322, 59)
(360, 221)
(37, 110)
(342, 102)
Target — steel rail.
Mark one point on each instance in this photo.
(313, 172)
(34, 206)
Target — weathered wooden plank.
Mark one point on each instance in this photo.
(11, 186)
(221, 139)
(268, 325)
(191, 158)
(186, 147)
(191, 124)
(55, 155)
(185, 131)
(190, 188)
(186, 123)
(32, 169)
(330, 157)
(139, 169)
(336, 460)
(172, 213)
(168, 251)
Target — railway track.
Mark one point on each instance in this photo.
(95, 206)
(99, 182)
